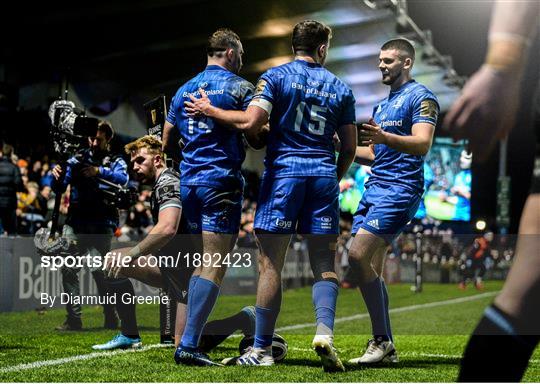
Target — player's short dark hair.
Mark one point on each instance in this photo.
(308, 35)
(402, 45)
(106, 127)
(221, 40)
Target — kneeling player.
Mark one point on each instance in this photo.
(149, 166)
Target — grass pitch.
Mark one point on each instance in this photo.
(431, 329)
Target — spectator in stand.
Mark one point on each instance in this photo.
(30, 209)
(34, 174)
(10, 183)
(46, 175)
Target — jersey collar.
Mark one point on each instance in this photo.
(214, 68)
(308, 64)
(404, 86)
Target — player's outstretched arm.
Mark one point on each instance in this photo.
(163, 232)
(418, 143)
(252, 118)
(348, 138)
(487, 108)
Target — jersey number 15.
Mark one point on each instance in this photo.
(316, 121)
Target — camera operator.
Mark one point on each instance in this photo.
(91, 216)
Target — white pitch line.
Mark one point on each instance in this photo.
(93, 355)
(88, 356)
(406, 354)
(395, 310)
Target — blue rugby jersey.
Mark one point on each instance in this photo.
(306, 104)
(87, 205)
(213, 153)
(412, 103)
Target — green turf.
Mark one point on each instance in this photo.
(429, 341)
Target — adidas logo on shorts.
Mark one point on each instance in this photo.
(373, 223)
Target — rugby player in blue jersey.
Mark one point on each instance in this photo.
(211, 183)
(305, 105)
(396, 139)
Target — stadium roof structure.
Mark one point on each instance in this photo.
(132, 51)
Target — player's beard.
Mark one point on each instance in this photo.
(146, 179)
(391, 79)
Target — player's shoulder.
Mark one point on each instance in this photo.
(168, 178)
(237, 86)
(420, 90)
(197, 81)
(337, 82)
(238, 81)
(280, 70)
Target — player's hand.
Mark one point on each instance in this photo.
(57, 171)
(485, 111)
(371, 133)
(116, 261)
(198, 106)
(257, 138)
(90, 171)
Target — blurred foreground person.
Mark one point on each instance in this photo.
(505, 338)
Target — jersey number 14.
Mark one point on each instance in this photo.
(200, 124)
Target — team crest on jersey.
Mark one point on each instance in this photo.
(399, 102)
(326, 222)
(260, 87)
(428, 108)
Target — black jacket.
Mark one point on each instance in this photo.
(10, 183)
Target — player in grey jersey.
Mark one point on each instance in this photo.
(149, 166)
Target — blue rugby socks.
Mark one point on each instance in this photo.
(264, 326)
(386, 311)
(325, 295)
(372, 293)
(202, 298)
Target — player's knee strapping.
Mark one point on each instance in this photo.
(325, 288)
(322, 255)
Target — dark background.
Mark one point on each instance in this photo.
(132, 50)
(459, 29)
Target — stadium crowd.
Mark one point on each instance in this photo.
(35, 202)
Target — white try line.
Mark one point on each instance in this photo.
(407, 354)
(395, 310)
(65, 360)
(93, 355)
